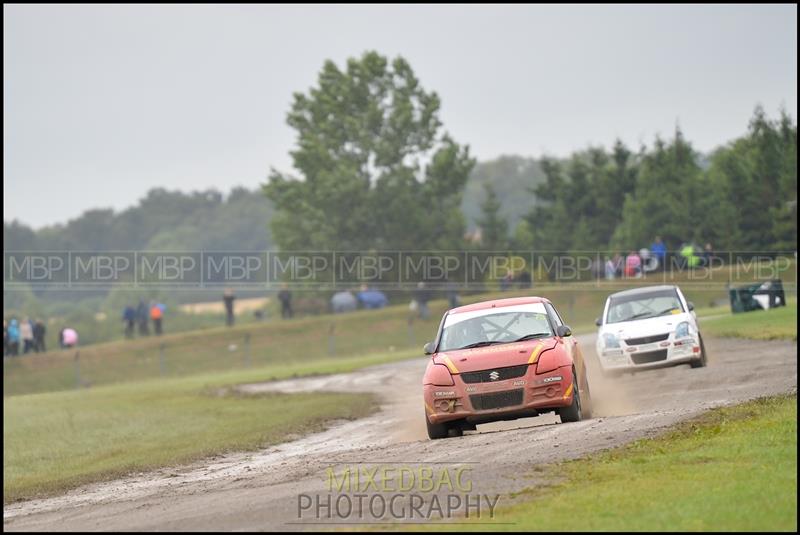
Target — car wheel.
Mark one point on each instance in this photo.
(436, 431)
(701, 362)
(573, 412)
(586, 405)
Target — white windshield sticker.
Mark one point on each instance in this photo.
(452, 319)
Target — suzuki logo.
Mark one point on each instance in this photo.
(494, 376)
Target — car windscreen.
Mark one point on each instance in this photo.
(495, 326)
(640, 306)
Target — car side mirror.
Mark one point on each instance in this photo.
(429, 348)
(563, 331)
(691, 305)
(598, 321)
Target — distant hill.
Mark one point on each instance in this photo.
(209, 220)
(163, 220)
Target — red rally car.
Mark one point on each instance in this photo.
(502, 360)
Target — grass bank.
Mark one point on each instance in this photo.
(731, 469)
(774, 324)
(323, 338)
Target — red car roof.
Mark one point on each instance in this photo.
(499, 303)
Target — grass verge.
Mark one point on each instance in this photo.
(774, 324)
(732, 468)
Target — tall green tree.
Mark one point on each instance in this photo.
(578, 205)
(493, 225)
(756, 177)
(376, 170)
(666, 197)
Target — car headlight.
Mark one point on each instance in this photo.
(683, 330)
(438, 375)
(610, 341)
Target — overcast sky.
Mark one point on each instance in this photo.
(102, 103)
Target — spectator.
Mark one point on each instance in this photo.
(453, 300)
(611, 269)
(69, 338)
(343, 301)
(371, 299)
(659, 250)
(26, 334)
(285, 297)
(61, 337)
(633, 265)
(142, 317)
(13, 337)
(507, 281)
(619, 267)
(597, 268)
(156, 313)
(129, 317)
(228, 299)
(422, 296)
(524, 280)
(39, 330)
(688, 257)
(708, 255)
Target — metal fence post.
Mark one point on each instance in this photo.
(332, 339)
(78, 381)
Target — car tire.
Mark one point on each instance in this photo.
(701, 362)
(437, 431)
(586, 408)
(573, 412)
(455, 431)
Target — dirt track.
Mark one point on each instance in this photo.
(259, 490)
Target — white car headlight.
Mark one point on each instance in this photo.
(683, 330)
(610, 341)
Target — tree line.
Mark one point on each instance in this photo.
(376, 170)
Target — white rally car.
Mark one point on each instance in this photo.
(646, 328)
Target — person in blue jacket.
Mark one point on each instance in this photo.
(659, 250)
(13, 337)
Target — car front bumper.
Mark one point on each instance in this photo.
(656, 355)
(521, 397)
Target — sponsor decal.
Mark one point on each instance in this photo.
(535, 353)
(551, 379)
(442, 394)
(449, 363)
(496, 349)
(518, 383)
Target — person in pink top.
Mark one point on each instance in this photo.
(633, 264)
(70, 338)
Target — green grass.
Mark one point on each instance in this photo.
(730, 469)
(774, 324)
(60, 440)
